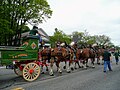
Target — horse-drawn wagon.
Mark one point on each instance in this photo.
(24, 58)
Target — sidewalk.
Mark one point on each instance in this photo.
(2, 66)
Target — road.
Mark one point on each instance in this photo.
(90, 79)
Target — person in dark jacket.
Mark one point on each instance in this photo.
(116, 54)
(34, 31)
(107, 58)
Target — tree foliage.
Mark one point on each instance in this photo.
(15, 14)
(82, 38)
(59, 36)
(85, 38)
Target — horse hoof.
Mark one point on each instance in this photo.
(98, 63)
(87, 66)
(80, 67)
(68, 72)
(75, 68)
(52, 75)
(64, 67)
(46, 69)
(93, 66)
(72, 69)
(60, 72)
(42, 72)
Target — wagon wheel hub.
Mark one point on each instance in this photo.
(31, 71)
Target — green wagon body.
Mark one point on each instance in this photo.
(28, 51)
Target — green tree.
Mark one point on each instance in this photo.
(18, 13)
(102, 39)
(59, 36)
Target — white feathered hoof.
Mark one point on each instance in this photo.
(64, 67)
(51, 73)
(59, 70)
(72, 68)
(46, 69)
(75, 68)
(42, 72)
(98, 63)
(68, 71)
(93, 66)
(85, 68)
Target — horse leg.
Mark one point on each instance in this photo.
(64, 67)
(43, 63)
(93, 60)
(48, 63)
(81, 62)
(51, 68)
(46, 68)
(77, 63)
(84, 64)
(58, 67)
(71, 64)
(68, 66)
(42, 72)
(102, 61)
(98, 60)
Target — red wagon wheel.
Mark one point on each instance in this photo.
(31, 71)
(18, 71)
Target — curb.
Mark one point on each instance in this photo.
(2, 67)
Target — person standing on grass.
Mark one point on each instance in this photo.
(107, 58)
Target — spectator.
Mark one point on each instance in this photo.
(107, 58)
(116, 54)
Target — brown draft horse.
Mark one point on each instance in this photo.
(87, 54)
(78, 58)
(70, 59)
(77, 54)
(45, 56)
(60, 54)
(99, 57)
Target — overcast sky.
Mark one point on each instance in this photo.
(98, 17)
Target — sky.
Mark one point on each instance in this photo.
(98, 17)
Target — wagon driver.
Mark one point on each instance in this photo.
(34, 31)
